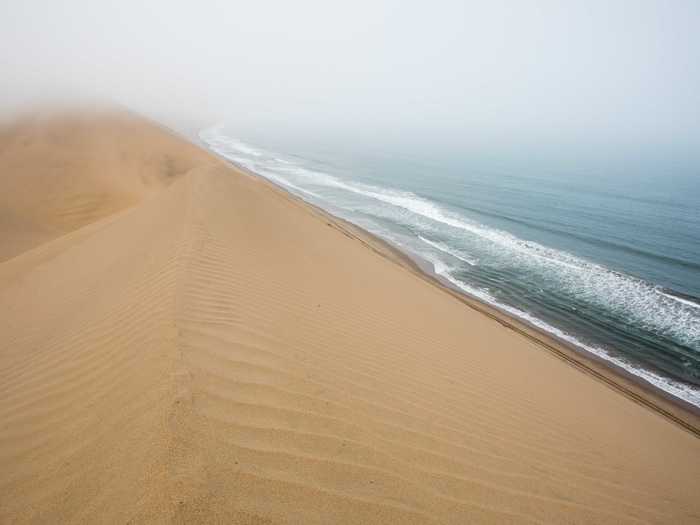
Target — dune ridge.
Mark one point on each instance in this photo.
(199, 347)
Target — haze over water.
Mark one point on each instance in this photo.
(608, 263)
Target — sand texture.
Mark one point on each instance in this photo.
(183, 343)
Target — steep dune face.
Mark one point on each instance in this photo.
(219, 353)
(62, 171)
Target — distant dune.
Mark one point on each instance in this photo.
(182, 342)
(64, 171)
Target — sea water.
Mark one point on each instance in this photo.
(609, 264)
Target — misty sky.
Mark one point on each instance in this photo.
(616, 72)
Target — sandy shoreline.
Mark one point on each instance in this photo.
(675, 409)
(184, 342)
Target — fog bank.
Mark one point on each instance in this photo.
(577, 73)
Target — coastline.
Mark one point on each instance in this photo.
(221, 351)
(677, 410)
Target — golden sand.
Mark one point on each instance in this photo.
(182, 342)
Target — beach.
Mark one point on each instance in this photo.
(182, 341)
(609, 273)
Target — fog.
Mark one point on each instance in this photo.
(614, 74)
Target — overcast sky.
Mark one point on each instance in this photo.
(620, 71)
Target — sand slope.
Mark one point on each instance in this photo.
(217, 352)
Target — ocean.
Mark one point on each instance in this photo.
(609, 264)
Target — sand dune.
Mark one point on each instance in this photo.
(63, 171)
(204, 348)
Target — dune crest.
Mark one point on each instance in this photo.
(197, 346)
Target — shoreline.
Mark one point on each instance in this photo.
(677, 410)
(221, 350)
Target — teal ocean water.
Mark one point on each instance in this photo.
(609, 264)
